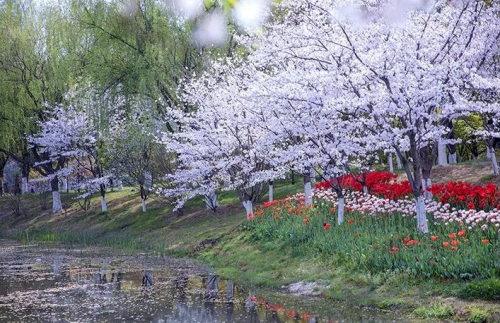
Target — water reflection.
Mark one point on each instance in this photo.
(147, 278)
(64, 288)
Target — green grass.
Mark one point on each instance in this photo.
(486, 289)
(390, 303)
(479, 316)
(437, 310)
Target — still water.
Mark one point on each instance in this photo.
(57, 285)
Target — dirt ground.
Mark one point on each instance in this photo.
(477, 173)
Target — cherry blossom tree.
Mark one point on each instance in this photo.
(63, 137)
(131, 145)
(396, 70)
(223, 144)
(332, 82)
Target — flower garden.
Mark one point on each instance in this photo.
(379, 233)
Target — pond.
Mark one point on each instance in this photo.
(39, 284)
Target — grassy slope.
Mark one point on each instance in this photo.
(160, 230)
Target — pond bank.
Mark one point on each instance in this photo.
(215, 239)
(41, 283)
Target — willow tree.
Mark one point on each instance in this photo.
(40, 58)
(139, 50)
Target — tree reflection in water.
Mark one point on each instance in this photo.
(38, 286)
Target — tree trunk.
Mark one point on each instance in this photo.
(56, 195)
(56, 202)
(452, 148)
(24, 185)
(421, 214)
(2, 165)
(248, 208)
(340, 210)
(398, 162)
(65, 184)
(312, 175)
(426, 184)
(414, 174)
(104, 206)
(494, 163)
(488, 150)
(120, 185)
(389, 161)
(271, 191)
(25, 172)
(211, 202)
(307, 188)
(453, 158)
(490, 153)
(441, 153)
(144, 195)
(365, 190)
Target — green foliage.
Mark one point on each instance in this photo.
(437, 310)
(470, 144)
(478, 316)
(390, 303)
(487, 289)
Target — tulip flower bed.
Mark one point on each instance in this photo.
(461, 195)
(464, 195)
(382, 184)
(379, 235)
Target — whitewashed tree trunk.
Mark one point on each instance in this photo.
(143, 205)
(398, 162)
(391, 166)
(426, 183)
(56, 195)
(421, 215)
(452, 158)
(56, 202)
(494, 163)
(120, 185)
(340, 211)
(211, 201)
(312, 175)
(308, 193)
(271, 192)
(248, 208)
(441, 153)
(104, 206)
(488, 152)
(365, 189)
(24, 185)
(65, 184)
